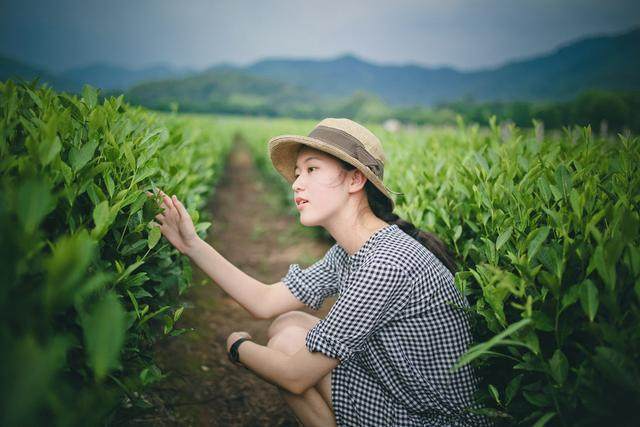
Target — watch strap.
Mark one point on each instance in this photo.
(233, 351)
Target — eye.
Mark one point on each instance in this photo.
(295, 175)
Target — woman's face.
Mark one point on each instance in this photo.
(320, 180)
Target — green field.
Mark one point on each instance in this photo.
(546, 230)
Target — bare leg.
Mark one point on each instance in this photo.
(311, 407)
(292, 318)
(306, 321)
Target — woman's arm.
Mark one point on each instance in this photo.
(247, 291)
(295, 373)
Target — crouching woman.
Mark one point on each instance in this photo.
(382, 356)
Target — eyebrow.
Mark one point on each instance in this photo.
(306, 160)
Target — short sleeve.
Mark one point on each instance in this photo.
(374, 295)
(315, 283)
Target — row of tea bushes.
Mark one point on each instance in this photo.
(547, 234)
(255, 133)
(87, 286)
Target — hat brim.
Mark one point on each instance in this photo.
(283, 151)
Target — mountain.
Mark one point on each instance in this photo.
(107, 76)
(224, 89)
(342, 76)
(606, 62)
(15, 70)
(600, 62)
(603, 62)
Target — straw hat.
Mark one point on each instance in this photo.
(342, 138)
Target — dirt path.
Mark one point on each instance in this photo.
(204, 387)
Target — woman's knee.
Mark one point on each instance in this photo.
(291, 318)
(288, 340)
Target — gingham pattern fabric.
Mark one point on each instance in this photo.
(393, 331)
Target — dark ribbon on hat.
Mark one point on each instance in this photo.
(350, 145)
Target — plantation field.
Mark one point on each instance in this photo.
(545, 228)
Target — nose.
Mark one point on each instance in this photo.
(295, 185)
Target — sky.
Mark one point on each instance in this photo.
(466, 35)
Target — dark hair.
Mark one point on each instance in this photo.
(381, 207)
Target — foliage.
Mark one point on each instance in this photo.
(548, 233)
(547, 228)
(615, 110)
(87, 287)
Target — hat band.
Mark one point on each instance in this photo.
(350, 145)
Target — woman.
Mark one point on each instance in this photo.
(382, 354)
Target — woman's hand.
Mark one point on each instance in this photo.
(176, 224)
(235, 336)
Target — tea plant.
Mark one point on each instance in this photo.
(546, 230)
(87, 286)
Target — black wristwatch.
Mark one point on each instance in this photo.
(233, 351)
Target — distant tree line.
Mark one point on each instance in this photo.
(604, 110)
(614, 111)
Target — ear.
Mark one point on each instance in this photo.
(357, 180)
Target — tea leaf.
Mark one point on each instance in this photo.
(78, 157)
(177, 314)
(130, 269)
(503, 237)
(154, 237)
(34, 203)
(543, 420)
(101, 215)
(477, 350)
(537, 399)
(104, 331)
(559, 367)
(494, 392)
(67, 264)
(589, 299)
(536, 238)
(90, 95)
(512, 388)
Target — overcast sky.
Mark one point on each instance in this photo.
(466, 35)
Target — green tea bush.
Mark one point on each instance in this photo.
(547, 231)
(87, 286)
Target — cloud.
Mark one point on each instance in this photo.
(198, 33)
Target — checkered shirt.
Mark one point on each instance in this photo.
(394, 332)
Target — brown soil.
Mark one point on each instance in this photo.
(204, 387)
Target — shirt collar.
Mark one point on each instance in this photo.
(357, 258)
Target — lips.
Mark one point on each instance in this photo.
(300, 201)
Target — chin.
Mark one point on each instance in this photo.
(307, 223)
(309, 220)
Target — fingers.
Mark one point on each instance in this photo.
(161, 204)
(174, 204)
(181, 209)
(166, 203)
(170, 204)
